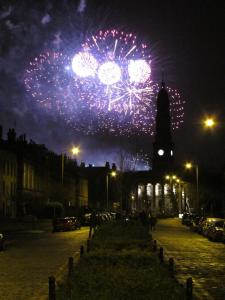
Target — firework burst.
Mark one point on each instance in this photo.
(123, 77)
(120, 90)
(105, 87)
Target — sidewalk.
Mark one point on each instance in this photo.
(20, 224)
(195, 256)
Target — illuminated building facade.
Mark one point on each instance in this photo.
(157, 190)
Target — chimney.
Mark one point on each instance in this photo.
(11, 135)
(114, 167)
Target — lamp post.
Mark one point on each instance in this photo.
(113, 174)
(180, 204)
(172, 179)
(188, 166)
(62, 167)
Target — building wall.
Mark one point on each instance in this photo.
(31, 178)
(8, 183)
(83, 192)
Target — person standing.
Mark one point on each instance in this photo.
(153, 221)
(93, 223)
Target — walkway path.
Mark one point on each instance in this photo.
(31, 257)
(195, 256)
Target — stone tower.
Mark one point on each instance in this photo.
(163, 147)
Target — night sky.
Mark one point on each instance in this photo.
(187, 46)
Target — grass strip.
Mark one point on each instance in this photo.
(121, 266)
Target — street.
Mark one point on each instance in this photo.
(195, 256)
(31, 257)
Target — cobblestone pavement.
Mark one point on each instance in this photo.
(195, 256)
(31, 257)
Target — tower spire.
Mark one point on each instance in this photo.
(163, 79)
(163, 146)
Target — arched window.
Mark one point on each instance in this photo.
(158, 189)
(149, 190)
(166, 189)
(140, 190)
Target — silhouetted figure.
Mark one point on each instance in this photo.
(153, 221)
(144, 218)
(93, 223)
(118, 216)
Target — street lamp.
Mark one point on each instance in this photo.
(179, 195)
(188, 166)
(113, 174)
(209, 122)
(75, 150)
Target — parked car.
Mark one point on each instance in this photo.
(1, 242)
(86, 219)
(200, 225)
(76, 222)
(207, 224)
(216, 230)
(186, 219)
(65, 224)
(195, 223)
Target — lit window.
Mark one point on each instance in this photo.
(166, 189)
(157, 189)
(149, 189)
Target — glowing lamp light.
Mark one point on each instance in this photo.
(139, 71)
(84, 64)
(75, 150)
(209, 123)
(113, 174)
(188, 165)
(109, 73)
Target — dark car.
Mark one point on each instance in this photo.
(186, 219)
(207, 225)
(65, 224)
(216, 231)
(195, 223)
(199, 226)
(85, 219)
(76, 222)
(1, 242)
